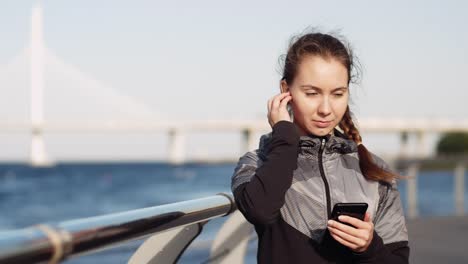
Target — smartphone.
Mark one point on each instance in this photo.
(357, 210)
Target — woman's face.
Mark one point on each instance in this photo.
(319, 95)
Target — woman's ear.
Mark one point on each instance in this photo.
(284, 86)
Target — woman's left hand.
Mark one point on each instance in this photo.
(357, 238)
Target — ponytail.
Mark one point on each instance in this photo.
(369, 168)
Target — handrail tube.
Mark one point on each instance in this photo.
(32, 245)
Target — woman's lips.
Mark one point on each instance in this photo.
(321, 124)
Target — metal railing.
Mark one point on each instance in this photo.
(54, 243)
(412, 167)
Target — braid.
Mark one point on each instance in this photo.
(347, 125)
(366, 163)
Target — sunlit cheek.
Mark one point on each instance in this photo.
(340, 107)
(307, 108)
(295, 109)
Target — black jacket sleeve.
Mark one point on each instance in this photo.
(390, 240)
(262, 193)
(378, 252)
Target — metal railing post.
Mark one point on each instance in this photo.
(412, 190)
(459, 186)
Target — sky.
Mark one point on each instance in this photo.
(194, 60)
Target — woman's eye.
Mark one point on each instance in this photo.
(311, 94)
(338, 94)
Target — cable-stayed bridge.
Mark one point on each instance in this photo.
(50, 83)
(63, 99)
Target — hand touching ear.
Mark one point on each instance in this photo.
(277, 110)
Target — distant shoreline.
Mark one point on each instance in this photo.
(427, 164)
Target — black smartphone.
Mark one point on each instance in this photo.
(357, 210)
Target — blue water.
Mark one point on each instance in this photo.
(35, 195)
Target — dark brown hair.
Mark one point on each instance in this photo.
(335, 47)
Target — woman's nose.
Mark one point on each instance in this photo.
(324, 107)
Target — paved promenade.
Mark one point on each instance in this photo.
(441, 239)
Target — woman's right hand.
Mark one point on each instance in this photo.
(277, 110)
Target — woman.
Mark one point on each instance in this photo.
(313, 159)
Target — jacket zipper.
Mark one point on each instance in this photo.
(322, 173)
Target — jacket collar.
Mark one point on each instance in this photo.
(335, 142)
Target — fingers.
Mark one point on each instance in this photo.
(342, 241)
(355, 238)
(342, 227)
(270, 101)
(277, 109)
(356, 222)
(285, 101)
(277, 99)
(361, 230)
(346, 239)
(367, 217)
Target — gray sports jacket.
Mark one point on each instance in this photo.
(288, 186)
